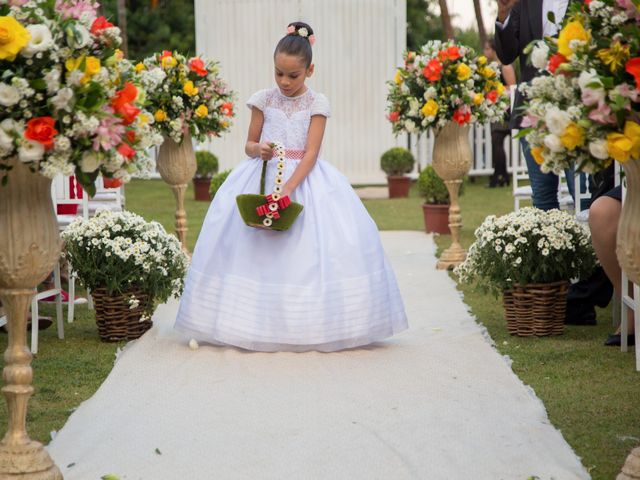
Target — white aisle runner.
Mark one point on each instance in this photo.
(436, 402)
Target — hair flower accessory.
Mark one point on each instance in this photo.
(291, 29)
(303, 32)
(312, 39)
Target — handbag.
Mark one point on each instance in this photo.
(269, 212)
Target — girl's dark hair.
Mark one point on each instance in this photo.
(296, 45)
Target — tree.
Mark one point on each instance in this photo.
(422, 23)
(446, 19)
(122, 23)
(481, 30)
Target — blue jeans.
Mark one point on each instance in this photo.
(545, 185)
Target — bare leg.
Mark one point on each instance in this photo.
(603, 221)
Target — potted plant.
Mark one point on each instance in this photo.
(436, 201)
(530, 255)
(207, 167)
(396, 162)
(217, 181)
(140, 265)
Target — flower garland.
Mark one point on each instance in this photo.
(68, 101)
(275, 202)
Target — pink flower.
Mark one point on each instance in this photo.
(312, 39)
(75, 8)
(109, 133)
(628, 91)
(17, 3)
(291, 29)
(529, 121)
(602, 114)
(592, 96)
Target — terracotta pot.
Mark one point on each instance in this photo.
(177, 165)
(436, 218)
(628, 242)
(29, 249)
(201, 189)
(399, 186)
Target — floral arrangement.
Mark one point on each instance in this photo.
(186, 95)
(444, 82)
(528, 246)
(69, 103)
(120, 251)
(587, 109)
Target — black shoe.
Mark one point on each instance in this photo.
(615, 340)
(580, 314)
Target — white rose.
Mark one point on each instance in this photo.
(557, 120)
(586, 77)
(553, 143)
(9, 95)
(6, 142)
(31, 151)
(41, 40)
(10, 125)
(78, 36)
(90, 162)
(598, 149)
(540, 55)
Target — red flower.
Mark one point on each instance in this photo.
(492, 96)
(100, 24)
(227, 109)
(126, 151)
(197, 65)
(166, 53)
(128, 113)
(41, 130)
(131, 136)
(111, 182)
(394, 116)
(121, 103)
(462, 115)
(555, 61)
(632, 67)
(433, 70)
(451, 53)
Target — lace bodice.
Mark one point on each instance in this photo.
(286, 119)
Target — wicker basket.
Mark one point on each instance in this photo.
(540, 309)
(510, 312)
(116, 320)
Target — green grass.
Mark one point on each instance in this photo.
(590, 391)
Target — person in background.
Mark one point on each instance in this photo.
(499, 131)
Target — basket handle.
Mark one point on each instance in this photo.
(262, 176)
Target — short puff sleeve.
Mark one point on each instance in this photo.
(258, 100)
(321, 106)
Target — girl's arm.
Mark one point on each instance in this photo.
(509, 75)
(254, 148)
(314, 140)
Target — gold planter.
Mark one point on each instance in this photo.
(177, 166)
(29, 248)
(628, 242)
(452, 161)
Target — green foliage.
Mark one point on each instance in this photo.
(422, 23)
(217, 181)
(207, 164)
(169, 26)
(470, 38)
(397, 161)
(432, 188)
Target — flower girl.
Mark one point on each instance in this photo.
(323, 284)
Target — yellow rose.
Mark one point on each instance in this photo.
(139, 67)
(477, 99)
(73, 63)
(430, 108)
(398, 77)
(168, 62)
(487, 72)
(160, 115)
(463, 71)
(619, 146)
(224, 124)
(572, 137)
(190, 89)
(143, 118)
(91, 66)
(632, 132)
(482, 60)
(500, 88)
(13, 38)
(202, 111)
(571, 31)
(536, 153)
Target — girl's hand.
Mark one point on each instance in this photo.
(265, 151)
(286, 191)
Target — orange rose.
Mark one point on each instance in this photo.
(632, 67)
(394, 116)
(433, 70)
(197, 65)
(41, 130)
(227, 109)
(555, 61)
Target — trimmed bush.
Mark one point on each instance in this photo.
(217, 181)
(432, 188)
(397, 161)
(207, 164)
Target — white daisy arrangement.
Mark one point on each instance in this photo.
(120, 252)
(528, 246)
(68, 102)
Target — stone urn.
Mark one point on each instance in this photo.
(628, 241)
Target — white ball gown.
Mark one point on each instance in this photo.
(325, 284)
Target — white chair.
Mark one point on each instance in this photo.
(106, 198)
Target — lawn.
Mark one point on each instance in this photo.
(589, 390)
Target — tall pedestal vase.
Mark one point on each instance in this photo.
(452, 161)
(177, 166)
(29, 249)
(628, 251)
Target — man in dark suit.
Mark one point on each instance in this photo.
(519, 23)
